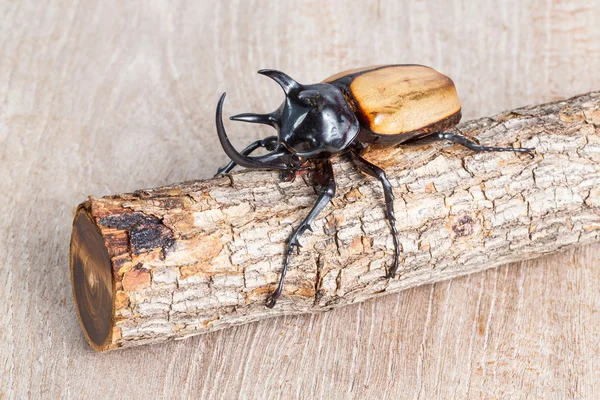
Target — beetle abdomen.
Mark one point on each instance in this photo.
(401, 99)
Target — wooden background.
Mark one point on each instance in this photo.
(100, 97)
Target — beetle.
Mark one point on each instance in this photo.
(386, 105)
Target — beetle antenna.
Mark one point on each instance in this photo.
(286, 83)
(267, 119)
(280, 159)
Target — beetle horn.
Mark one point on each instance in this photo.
(311, 97)
(267, 119)
(278, 159)
(286, 83)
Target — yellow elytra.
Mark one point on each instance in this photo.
(406, 100)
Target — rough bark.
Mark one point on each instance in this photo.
(203, 255)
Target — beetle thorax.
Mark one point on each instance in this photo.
(316, 120)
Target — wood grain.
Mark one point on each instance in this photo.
(107, 97)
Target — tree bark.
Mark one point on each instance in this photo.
(176, 261)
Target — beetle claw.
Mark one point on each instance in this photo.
(271, 302)
(530, 153)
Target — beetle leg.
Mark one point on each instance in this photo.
(376, 172)
(324, 177)
(472, 145)
(269, 143)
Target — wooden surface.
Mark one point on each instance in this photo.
(99, 98)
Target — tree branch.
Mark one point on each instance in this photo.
(199, 256)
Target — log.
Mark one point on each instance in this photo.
(194, 257)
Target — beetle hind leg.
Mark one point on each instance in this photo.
(379, 174)
(323, 177)
(269, 143)
(472, 145)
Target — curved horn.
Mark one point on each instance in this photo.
(278, 159)
(286, 83)
(267, 119)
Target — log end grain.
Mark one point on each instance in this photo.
(91, 280)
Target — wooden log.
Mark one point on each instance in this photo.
(180, 260)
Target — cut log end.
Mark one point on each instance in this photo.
(91, 279)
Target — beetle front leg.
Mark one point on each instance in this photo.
(472, 145)
(324, 177)
(379, 174)
(269, 143)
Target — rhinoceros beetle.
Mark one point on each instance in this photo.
(346, 113)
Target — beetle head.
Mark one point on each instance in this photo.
(313, 120)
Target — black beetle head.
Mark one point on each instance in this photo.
(313, 119)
